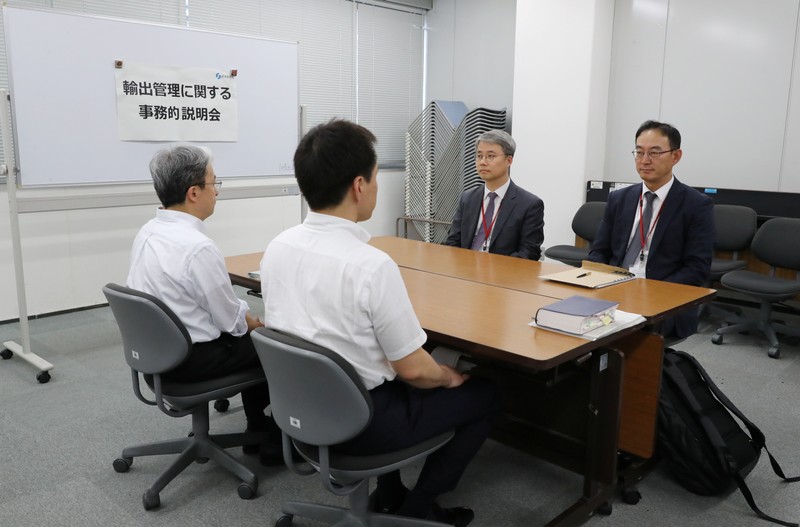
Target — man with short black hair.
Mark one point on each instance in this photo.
(661, 229)
(498, 217)
(173, 260)
(323, 283)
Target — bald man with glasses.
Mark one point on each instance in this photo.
(660, 229)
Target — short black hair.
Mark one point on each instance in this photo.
(670, 132)
(329, 157)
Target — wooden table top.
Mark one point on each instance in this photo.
(653, 299)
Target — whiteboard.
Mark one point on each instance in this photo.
(61, 77)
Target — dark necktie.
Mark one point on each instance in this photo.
(486, 224)
(635, 247)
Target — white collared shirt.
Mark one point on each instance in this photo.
(322, 282)
(658, 202)
(173, 260)
(501, 192)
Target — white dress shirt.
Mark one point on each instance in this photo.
(322, 282)
(501, 192)
(658, 202)
(173, 260)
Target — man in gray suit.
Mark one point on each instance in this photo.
(499, 217)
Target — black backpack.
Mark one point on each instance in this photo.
(704, 447)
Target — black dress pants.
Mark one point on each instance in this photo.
(223, 356)
(404, 416)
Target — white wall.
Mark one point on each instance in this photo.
(722, 72)
(471, 52)
(68, 256)
(563, 50)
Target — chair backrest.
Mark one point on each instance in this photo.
(154, 340)
(777, 243)
(735, 227)
(316, 396)
(588, 217)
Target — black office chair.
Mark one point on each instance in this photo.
(584, 225)
(735, 227)
(319, 401)
(776, 243)
(154, 342)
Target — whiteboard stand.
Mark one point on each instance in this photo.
(23, 351)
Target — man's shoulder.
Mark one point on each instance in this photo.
(690, 194)
(518, 192)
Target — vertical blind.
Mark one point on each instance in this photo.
(357, 61)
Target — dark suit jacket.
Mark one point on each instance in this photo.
(518, 230)
(681, 247)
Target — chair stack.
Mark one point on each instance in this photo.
(440, 162)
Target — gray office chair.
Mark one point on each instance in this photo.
(776, 243)
(735, 227)
(154, 342)
(319, 401)
(584, 225)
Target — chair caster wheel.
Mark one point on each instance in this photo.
(6, 354)
(150, 500)
(631, 496)
(246, 492)
(605, 509)
(43, 377)
(284, 521)
(222, 405)
(716, 338)
(774, 353)
(123, 464)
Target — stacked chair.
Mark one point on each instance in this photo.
(440, 162)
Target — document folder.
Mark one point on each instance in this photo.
(592, 275)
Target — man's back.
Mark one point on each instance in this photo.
(322, 282)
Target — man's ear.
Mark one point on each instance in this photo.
(358, 187)
(191, 194)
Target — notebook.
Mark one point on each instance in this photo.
(592, 275)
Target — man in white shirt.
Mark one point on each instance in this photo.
(322, 282)
(173, 260)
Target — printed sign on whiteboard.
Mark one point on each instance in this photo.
(170, 103)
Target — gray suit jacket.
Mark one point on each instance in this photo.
(518, 230)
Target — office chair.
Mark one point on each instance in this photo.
(775, 243)
(154, 341)
(735, 227)
(584, 225)
(319, 401)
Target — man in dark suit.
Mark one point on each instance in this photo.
(661, 229)
(499, 217)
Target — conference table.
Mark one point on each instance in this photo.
(570, 401)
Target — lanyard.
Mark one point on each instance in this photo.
(487, 229)
(642, 237)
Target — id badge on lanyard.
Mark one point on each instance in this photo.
(638, 267)
(485, 245)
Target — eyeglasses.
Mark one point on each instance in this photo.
(488, 157)
(638, 155)
(217, 184)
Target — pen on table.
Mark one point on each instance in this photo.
(584, 274)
